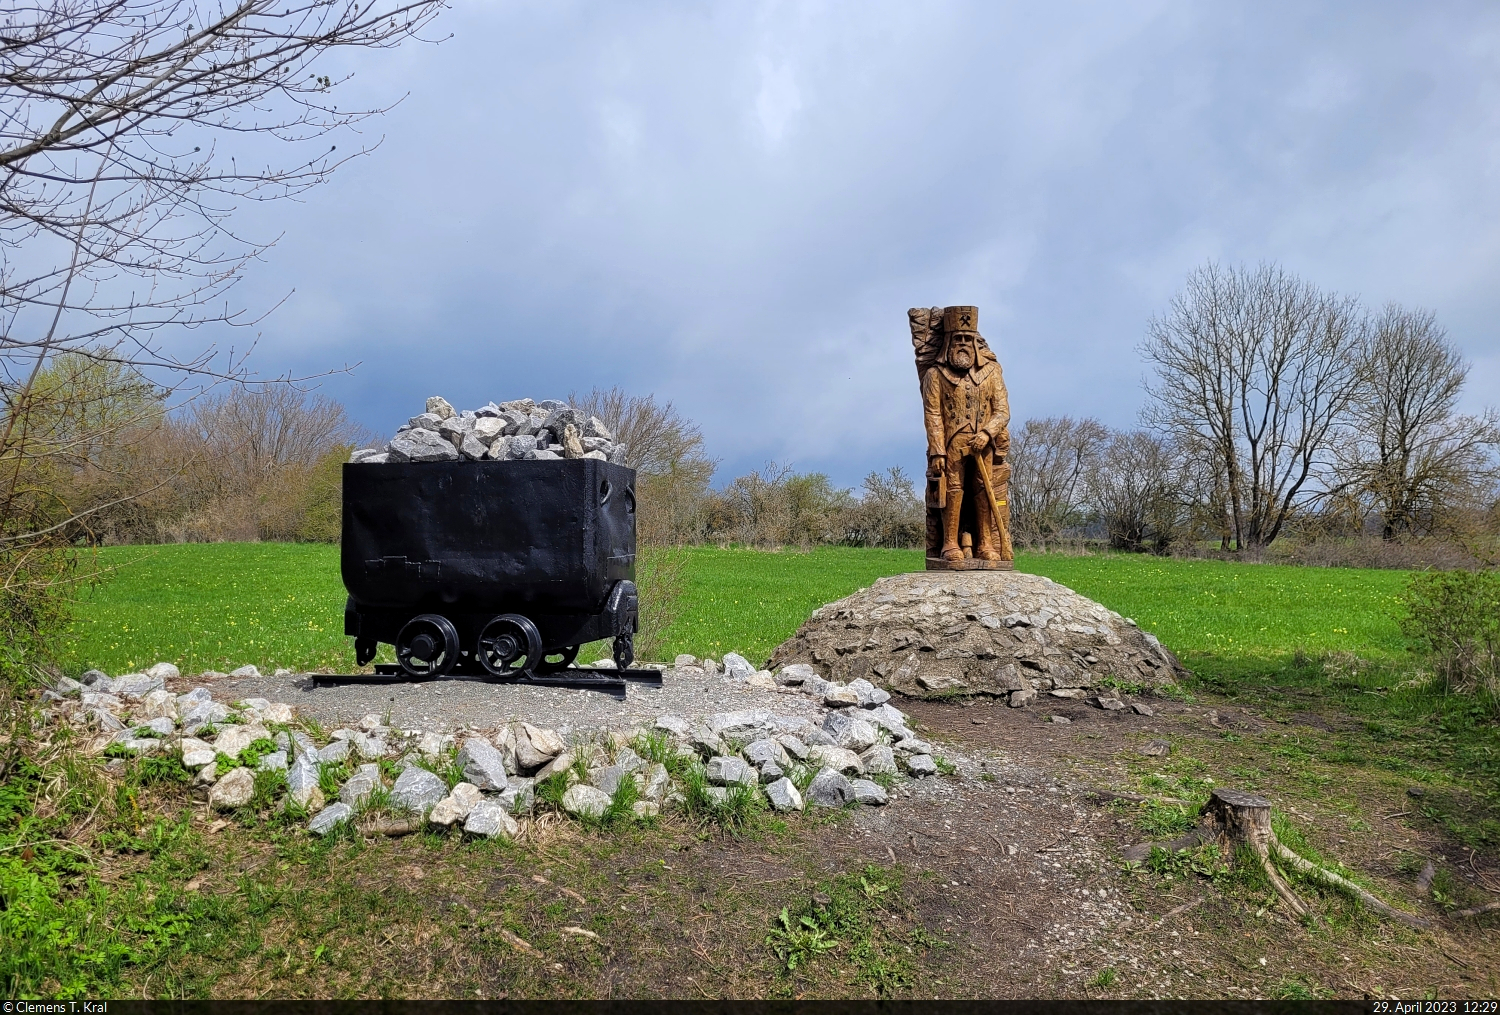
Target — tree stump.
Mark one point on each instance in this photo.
(1234, 818)
(1242, 818)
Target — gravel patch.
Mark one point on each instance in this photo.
(447, 706)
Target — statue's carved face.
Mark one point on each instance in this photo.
(961, 351)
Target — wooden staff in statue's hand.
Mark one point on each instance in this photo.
(982, 464)
(986, 477)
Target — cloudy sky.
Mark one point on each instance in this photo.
(731, 206)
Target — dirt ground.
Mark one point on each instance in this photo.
(1080, 911)
(1001, 880)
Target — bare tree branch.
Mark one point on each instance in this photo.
(1256, 370)
(1410, 455)
(1050, 460)
(129, 133)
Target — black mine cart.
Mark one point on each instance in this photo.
(492, 570)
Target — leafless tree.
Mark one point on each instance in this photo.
(657, 436)
(1204, 492)
(889, 512)
(1050, 459)
(666, 449)
(252, 434)
(130, 130)
(1134, 487)
(1410, 452)
(1257, 369)
(776, 506)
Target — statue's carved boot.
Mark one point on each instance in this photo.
(952, 551)
(986, 552)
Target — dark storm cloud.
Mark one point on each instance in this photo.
(733, 205)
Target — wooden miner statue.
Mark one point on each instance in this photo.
(967, 414)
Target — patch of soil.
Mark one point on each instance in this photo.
(1318, 721)
(1089, 732)
(1079, 911)
(1013, 864)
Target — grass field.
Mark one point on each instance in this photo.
(214, 606)
(218, 606)
(748, 601)
(254, 907)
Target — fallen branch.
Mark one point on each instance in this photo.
(64, 843)
(517, 943)
(1104, 796)
(1488, 907)
(1177, 911)
(392, 826)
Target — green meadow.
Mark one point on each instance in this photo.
(221, 605)
(262, 894)
(213, 606)
(749, 601)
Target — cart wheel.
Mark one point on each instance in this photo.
(364, 650)
(624, 651)
(510, 646)
(427, 646)
(565, 659)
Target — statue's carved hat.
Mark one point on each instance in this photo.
(961, 319)
(931, 330)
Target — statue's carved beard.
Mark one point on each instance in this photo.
(961, 358)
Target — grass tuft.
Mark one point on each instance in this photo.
(332, 775)
(1165, 821)
(550, 790)
(859, 916)
(163, 768)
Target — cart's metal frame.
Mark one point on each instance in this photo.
(609, 681)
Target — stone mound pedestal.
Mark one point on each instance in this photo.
(940, 633)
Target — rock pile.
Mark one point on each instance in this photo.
(255, 750)
(522, 430)
(1008, 633)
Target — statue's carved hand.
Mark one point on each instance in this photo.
(936, 466)
(981, 440)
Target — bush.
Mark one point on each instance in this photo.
(36, 598)
(775, 507)
(661, 577)
(303, 503)
(889, 513)
(1455, 618)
